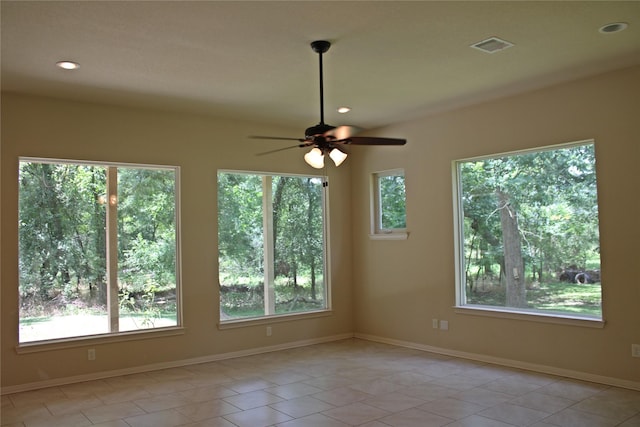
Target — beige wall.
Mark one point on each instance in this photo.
(399, 286)
(199, 145)
(385, 289)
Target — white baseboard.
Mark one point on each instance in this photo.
(166, 365)
(584, 376)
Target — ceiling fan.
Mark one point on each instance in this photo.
(324, 138)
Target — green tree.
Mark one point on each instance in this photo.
(392, 201)
(538, 208)
(294, 226)
(146, 229)
(62, 233)
(298, 232)
(60, 240)
(240, 250)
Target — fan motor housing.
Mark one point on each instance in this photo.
(319, 129)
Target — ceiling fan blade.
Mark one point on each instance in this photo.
(283, 149)
(343, 132)
(371, 140)
(279, 138)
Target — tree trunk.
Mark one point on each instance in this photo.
(513, 260)
(277, 207)
(310, 251)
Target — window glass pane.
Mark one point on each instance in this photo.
(240, 245)
(271, 245)
(62, 251)
(63, 234)
(299, 244)
(146, 248)
(392, 202)
(529, 231)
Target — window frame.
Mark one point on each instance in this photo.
(377, 232)
(125, 335)
(461, 306)
(267, 177)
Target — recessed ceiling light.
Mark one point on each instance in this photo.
(343, 110)
(614, 27)
(68, 65)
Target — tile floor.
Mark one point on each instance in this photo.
(345, 383)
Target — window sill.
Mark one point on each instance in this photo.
(91, 340)
(389, 236)
(559, 319)
(253, 321)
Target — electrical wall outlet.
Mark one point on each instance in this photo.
(434, 323)
(91, 354)
(635, 350)
(269, 331)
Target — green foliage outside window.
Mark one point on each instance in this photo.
(529, 227)
(288, 211)
(63, 233)
(388, 202)
(392, 202)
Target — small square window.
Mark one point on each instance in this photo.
(389, 204)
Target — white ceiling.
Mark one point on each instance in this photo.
(390, 61)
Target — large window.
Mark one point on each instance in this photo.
(527, 230)
(271, 237)
(97, 249)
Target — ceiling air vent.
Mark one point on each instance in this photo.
(492, 45)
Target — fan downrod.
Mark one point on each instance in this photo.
(320, 46)
(321, 136)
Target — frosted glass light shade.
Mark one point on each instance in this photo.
(337, 156)
(315, 158)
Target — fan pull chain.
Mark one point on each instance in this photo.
(325, 177)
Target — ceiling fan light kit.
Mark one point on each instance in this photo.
(325, 138)
(315, 158)
(337, 156)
